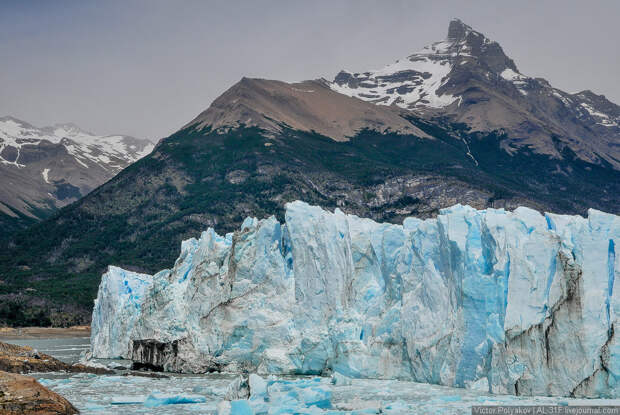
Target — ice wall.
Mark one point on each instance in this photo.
(507, 302)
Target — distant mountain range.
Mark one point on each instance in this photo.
(455, 123)
(46, 168)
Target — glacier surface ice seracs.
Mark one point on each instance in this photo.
(505, 302)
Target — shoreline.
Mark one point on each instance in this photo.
(16, 333)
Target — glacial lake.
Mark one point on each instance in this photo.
(119, 394)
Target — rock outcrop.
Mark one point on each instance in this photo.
(24, 359)
(23, 395)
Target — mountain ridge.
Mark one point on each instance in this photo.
(49, 167)
(305, 106)
(468, 78)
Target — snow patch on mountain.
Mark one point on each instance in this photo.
(602, 118)
(406, 83)
(518, 80)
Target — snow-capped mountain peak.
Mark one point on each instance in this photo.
(468, 78)
(51, 166)
(417, 80)
(110, 152)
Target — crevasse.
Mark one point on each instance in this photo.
(487, 299)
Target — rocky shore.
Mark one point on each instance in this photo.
(24, 359)
(21, 395)
(24, 395)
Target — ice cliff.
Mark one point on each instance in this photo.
(506, 302)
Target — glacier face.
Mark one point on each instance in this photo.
(505, 302)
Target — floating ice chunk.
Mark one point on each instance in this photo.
(366, 411)
(206, 390)
(155, 399)
(238, 389)
(339, 379)
(241, 407)
(128, 400)
(223, 408)
(398, 407)
(258, 385)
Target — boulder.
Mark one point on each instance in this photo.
(23, 395)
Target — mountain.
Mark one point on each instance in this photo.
(469, 79)
(264, 143)
(46, 168)
(306, 106)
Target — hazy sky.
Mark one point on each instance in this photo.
(146, 67)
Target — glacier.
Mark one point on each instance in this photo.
(497, 301)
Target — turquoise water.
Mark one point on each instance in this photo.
(200, 394)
